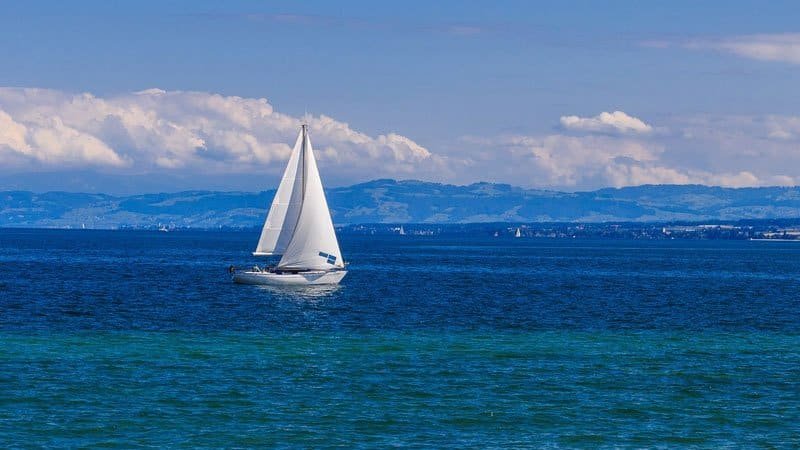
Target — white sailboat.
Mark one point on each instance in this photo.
(298, 228)
(518, 233)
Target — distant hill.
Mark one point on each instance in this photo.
(390, 201)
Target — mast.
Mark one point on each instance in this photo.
(304, 131)
(313, 243)
(303, 179)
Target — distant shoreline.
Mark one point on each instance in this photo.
(773, 230)
(410, 202)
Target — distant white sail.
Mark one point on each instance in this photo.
(313, 244)
(285, 210)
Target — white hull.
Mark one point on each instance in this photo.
(289, 279)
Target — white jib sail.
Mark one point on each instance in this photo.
(285, 210)
(313, 244)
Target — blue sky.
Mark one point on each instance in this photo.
(450, 91)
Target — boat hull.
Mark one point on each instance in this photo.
(289, 279)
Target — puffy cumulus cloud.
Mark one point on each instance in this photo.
(570, 160)
(587, 161)
(404, 148)
(734, 151)
(366, 154)
(623, 172)
(66, 144)
(63, 143)
(13, 135)
(633, 173)
(741, 179)
(605, 122)
(156, 130)
(181, 134)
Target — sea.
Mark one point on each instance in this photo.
(139, 339)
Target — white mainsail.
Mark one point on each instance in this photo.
(299, 224)
(314, 244)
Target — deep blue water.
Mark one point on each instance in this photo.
(128, 339)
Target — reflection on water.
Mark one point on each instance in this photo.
(312, 292)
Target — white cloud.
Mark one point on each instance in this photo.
(632, 173)
(767, 47)
(741, 179)
(570, 160)
(591, 161)
(56, 142)
(196, 133)
(781, 47)
(605, 122)
(733, 151)
(13, 134)
(49, 141)
(192, 131)
(785, 128)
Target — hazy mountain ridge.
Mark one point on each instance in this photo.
(390, 201)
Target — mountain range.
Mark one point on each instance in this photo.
(391, 201)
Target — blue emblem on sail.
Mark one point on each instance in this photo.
(331, 258)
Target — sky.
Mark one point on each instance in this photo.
(127, 97)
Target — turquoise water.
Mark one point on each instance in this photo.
(139, 340)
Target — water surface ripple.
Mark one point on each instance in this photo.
(139, 339)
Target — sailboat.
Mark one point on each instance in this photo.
(298, 228)
(401, 232)
(518, 233)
